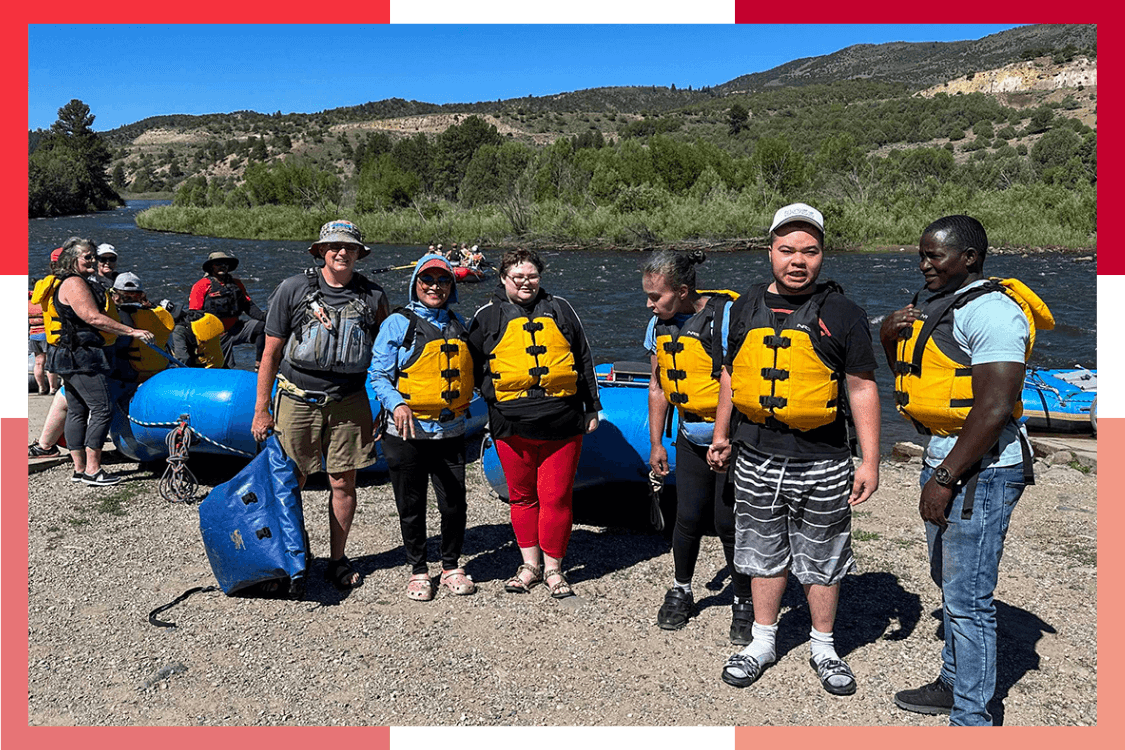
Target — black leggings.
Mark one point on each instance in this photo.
(412, 463)
(89, 408)
(704, 499)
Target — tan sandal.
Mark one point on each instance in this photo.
(561, 589)
(517, 585)
(420, 587)
(458, 582)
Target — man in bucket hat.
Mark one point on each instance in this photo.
(226, 298)
(319, 332)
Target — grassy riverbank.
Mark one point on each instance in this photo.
(1021, 216)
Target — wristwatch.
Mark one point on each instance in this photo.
(944, 477)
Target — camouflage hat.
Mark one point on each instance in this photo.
(340, 230)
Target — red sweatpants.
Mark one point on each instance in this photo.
(540, 476)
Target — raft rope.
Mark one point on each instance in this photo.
(178, 485)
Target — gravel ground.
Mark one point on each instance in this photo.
(101, 559)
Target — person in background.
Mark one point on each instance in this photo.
(225, 297)
(107, 265)
(320, 330)
(196, 339)
(422, 373)
(536, 373)
(798, 351)
(686, 342)
(87, 326)
(959, 377)
(48, 382)
(137, 361)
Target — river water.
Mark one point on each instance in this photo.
(603, 286)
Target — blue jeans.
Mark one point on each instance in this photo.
(964, 562)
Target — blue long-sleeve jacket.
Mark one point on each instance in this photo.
(389, 354)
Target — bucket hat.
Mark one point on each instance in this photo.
(340, 230)
(219, 255)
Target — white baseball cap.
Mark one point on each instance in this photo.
(797, 212)
(106, 249)
(128, 282)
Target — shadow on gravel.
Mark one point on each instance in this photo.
(1017, 632)
(873, 606)
(625, 539)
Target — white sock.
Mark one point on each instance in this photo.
(762, 647)
(686, 587)
(823, 647)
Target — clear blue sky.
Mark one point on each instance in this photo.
(126, 73)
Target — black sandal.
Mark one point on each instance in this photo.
(829, 668)
(749, 666)
(340, 572)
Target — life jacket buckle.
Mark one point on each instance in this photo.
(773, 402)
(532, 326)
(776, 342)
(673, 347)
(772, 373)
(536, 350)
(675, 375)
(678, 398)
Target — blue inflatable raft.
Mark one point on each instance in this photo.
(1061, 400)
(218, 405)
(616, 452)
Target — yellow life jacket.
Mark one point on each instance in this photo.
(71, 331)
(934, 375)
(44, 295)
(783, 372)
(140, 356)
(207, 329)
(532, 353)
(437, 379)
(689, 358)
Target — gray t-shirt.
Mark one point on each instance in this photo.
(287, 312)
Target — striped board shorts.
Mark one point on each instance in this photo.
(792, 513)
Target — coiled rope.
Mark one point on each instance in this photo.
(178, 484)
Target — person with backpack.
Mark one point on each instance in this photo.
(320, 330)
(225, 296)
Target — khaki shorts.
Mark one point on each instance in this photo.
(340, 433)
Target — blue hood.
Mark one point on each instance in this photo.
(445, 265)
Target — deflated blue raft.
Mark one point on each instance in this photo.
(616, 452)
(219, 407)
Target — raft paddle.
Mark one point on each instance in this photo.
(165, 354)
(393, 268)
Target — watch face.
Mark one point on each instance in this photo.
(943, 476)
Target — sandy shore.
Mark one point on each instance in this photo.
(101, 559)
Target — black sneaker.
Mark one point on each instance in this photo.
(34, 451)
(102, 479)
(78, 477)
(934, 698)
(676, 610)
(741, 623)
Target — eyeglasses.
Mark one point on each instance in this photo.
(107, 261)
(518, 280)
(342, 247)
(429, 280)
(87, 256)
